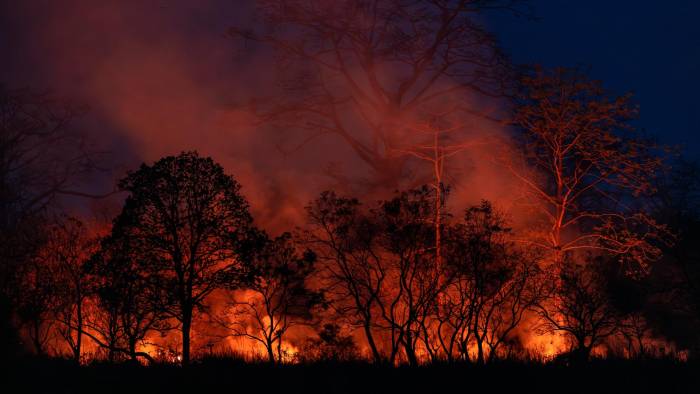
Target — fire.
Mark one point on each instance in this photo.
(547, 346)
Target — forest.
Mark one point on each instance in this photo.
(475, 217)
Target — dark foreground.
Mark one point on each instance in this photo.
(226, 376)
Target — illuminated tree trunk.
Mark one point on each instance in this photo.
(279, 351)
(437, 169)
(79, 335)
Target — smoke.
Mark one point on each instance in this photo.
(163, 77)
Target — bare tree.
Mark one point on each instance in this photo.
(68, 248)
(344, 238)
(581, 309)
(378, 265)
(411, 293)
(636, 331)
(493, 282)
(277, 299)
(188, 220)
(36, 304)
(129, 299)
(583, 167)
(42, 156)
(363, 70)
(438, 140)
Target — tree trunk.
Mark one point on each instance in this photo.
(479, 351)
(370, 342)
(186, 328)
(36, 338)
(279, 350)
(132, 349)
(270, 354)
(410, 351)
(79, 337)
(582, 353)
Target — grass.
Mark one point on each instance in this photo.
(233, 373)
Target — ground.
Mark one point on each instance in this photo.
(229, 376)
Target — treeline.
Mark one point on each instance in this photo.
(606, 259)
(185, 231)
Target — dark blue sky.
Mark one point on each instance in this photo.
(649, 47)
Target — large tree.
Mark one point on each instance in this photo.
(584, 168)
(362, 71)
(188, 217)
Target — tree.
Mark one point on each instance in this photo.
(42, 157)
(66, 252)
(188, 218)
(344, 238)
(583, 167)
(129, 299)
(493, 282)
(378, 266)
(36, 304)
(278, 297)
(411, 293)
(436, 148)
(581, 309)
(674, 283)
(362, 71)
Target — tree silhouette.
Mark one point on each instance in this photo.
(130, 300)
(675, 282)
(378, 266)
(344, 238)
(188, 218)
(492, 283)
(413, 287)
(278, 297)
(581, 308)
(66, 252)
(36, 303)
(42, 156)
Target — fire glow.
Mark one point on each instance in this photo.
(395, 194)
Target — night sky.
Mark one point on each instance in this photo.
(651, 48)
